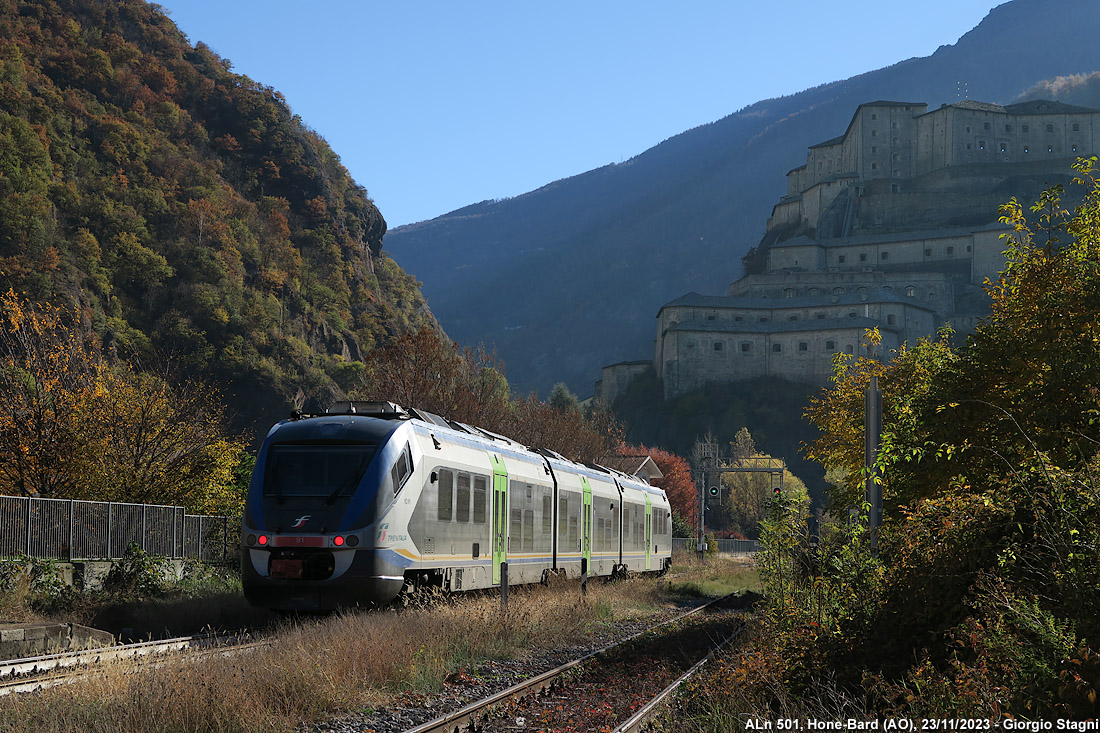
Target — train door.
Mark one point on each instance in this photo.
(586, 525)
(648, 532)
(500, 516)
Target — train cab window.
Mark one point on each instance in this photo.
(462, 496)
(445, 494)
(480, 492)
(328, 471)
(402, 467)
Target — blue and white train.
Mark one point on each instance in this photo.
(350, 507)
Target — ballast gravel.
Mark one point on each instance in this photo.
(470, 685)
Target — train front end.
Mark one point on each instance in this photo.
(320, 484)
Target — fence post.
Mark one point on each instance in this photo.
(109, 533)
(28, 545)
(72, 520)
(143, 528)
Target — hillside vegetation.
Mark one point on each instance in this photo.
(184, 210)
(600, 252)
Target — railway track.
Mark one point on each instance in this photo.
(618, 687)
(38, 673)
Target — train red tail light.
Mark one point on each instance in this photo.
(263, 540)
(353, 541)
(338, 541)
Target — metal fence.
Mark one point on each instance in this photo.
(735, 547)
(68, 529)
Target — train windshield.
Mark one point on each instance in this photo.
(328, 471)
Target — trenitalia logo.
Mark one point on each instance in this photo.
(301, 521)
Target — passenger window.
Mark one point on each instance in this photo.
(528, 530)
(462, 507)
(480, 490)
(445, 495)
(514, 530)
(547, 514)
(563, 516)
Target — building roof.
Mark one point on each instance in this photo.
(874, 295)
(870, 239)
(834, 141)
(641, 362)
(808, 325)
(631, 464)
(1047, 107)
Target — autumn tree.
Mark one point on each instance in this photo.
(73, 425)
(677, 482)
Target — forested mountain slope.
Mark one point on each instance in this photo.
(184, 209)
(567, 278)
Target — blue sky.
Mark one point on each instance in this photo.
(435, 105)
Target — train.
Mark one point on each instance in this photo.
(368, 501)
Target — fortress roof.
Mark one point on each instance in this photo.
(1032, 107)
(873, 296)
(808, 326)
(833, 141)
(871, 239)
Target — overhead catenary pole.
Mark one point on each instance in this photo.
(872, 432)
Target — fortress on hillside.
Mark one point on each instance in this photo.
(893, 224)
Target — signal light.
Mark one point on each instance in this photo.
(777, 491)
(263, 540)
(714, 491)
(338, 541)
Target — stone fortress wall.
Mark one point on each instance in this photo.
(891, 225)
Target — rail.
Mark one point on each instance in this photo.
(73, 529)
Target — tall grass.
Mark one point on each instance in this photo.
(346, 662)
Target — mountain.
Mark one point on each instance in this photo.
(183, 210)
(569, 277)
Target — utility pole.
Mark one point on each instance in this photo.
(872, 433)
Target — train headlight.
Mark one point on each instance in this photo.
(338, 541)
(251, 540)
(353, 540)
(262, 540)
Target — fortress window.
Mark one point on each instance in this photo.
(890, 319)
(1008, 128)
(738, 318)
(1050, 128)
(1076, 127)
(985, 126)
(788, 293)
(1050, 149)
(852, 314)
(838, 291)
(830, 345)
(1026, 150)
(792, 318)
(1074, 148)
(746, 347)
(894, 141)
(968, 248)
(895, 157)
(776, 348)
(874, 133)
(968, 146)
(981, 145)
(893, 125)
(968, 128)
(910, 291)
(764, 319)
(717, 345)
(874, 166)
(863, 257)
(885, 255)
(950, 251)
(874, 149)
(841, 259)
(803, 346)
(1004, 147)
(848, 349)
(821, 316)
(928, 252)
(894, 187)
(1024, 128)
(874, 116)
(711, 317)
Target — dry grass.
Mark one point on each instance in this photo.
(346, 662)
